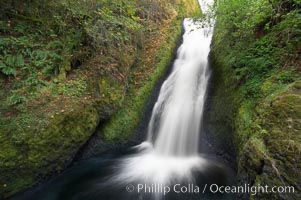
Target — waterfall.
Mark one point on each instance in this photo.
(171, 149)
(177, 114)
(175, 122)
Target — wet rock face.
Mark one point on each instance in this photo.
(273, 158)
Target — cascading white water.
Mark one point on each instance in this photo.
(179, 108)
(171, 149)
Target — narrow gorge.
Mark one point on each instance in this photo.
(150, 99)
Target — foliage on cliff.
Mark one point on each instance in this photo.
(65, 67)
(257, 53)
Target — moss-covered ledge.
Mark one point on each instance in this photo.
(272, 156)
(49, 151)
(266, 133)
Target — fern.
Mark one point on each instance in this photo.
(15, 100)
(7, 70)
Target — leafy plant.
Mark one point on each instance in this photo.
(7, 70)
(15, 100)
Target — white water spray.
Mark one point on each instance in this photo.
(179, 108)
(171, 149)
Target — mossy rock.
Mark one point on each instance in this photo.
(46, 152)
(282, 156)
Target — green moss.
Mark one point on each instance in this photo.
(257, 80)
(110, 91)
(256, 152)
(191, 8)
(121, 126)
(244, 121)
(42, 152)
(279, 146)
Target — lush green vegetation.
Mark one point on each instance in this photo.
(43, 42)
(66, 66)
(123, 123)
(256, 53)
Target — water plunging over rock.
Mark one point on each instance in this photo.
(171, 149)
(177, 114)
